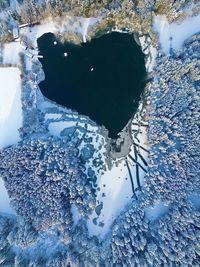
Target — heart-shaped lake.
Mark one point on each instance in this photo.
(102, 79)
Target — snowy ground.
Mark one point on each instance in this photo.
(10, 106)
(175, 34)
(10, 119)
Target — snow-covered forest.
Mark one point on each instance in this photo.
(64, 201)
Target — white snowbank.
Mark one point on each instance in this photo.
(154, 213)
(4, 200)
(175, 34)
(11, 53)
(10, 106)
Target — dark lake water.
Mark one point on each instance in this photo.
(102, 79)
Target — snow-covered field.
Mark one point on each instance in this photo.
(175, 34)
(10, 119)
(4, 200)
(11, 53)
(10, 106)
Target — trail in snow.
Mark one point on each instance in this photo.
(86, 23)
(175, 34)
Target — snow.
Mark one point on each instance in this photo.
(56, 127)
(10, 106)
(151, 59)
(163, 28)
(181, 32)
(195, 200)
(116, 186)
(75, 214)
(36, 31)
(85, 25)
(115, 189)
(52, 116)
(156, 212)
(11, 53)
(4, 200)
(175, 34)
(148, 50)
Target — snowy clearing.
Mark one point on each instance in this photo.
(175, 34)
(10, 106)
(4, 200)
